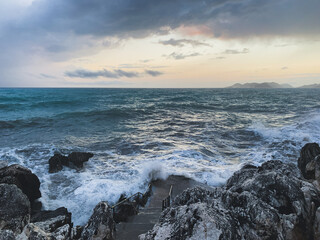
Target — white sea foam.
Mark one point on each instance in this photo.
(108, 175)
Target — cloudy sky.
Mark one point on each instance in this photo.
(158, 43)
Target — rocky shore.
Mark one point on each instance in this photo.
(273, 201)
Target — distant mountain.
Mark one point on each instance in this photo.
(260, 85)
(311, 86)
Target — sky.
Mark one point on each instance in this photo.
(158, 43)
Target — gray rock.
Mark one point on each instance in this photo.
(6, 235)
(49, 221)
(23, 178)
(101, 224)
(306, 162)
(272, 201)
(14, 208)
(62, 232)
(33, 232)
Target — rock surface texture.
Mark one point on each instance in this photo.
(101, 224)
(23, 178)
(308, 163)
(14, 209)
(272, 201)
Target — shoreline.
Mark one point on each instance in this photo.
(273, 201)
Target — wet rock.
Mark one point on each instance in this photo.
(101, 224)
(56, 163)
(306, 162)
(23, 178)
(50, 221)
(74, 160)
(78, 158)
(14, 208)
(272, 201)
(6, 235)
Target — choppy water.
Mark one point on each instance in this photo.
(137, 134)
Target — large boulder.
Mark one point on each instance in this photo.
(56, 162)
(23, 178)
(78, 158)
(307, 162)
(101, 224)
(50, 221)
(14, 208)
(272, 201)
(73, 160)
(48, 225)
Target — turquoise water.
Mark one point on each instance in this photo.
(139, 134)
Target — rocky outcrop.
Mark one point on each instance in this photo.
(308, 163)
(23, 178)
(56, 163)
(122, 212)
(49, 225)
(50, 221)
(101, 224)
(14, 209)
(268, 202)
(74, 160)
(78, 158)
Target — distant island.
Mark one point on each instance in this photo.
(261, 85)
(311, 86)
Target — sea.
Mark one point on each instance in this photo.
(137, 135)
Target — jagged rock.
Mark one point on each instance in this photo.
(101, 224)
(23, 178)
(306, 162)
(268, 202)
(14, 208)
(125, 210)
(6, 235)
(76, 232)
(56, 162)
(49, 221)
(49, 225)
(74, 160)
(78, 158)
(33, 232)
(62, 232)
(195, 214)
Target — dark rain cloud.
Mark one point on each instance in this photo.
(183, 42)
(60, 26)
(118, 73)
(64, 29)
(139, 18)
